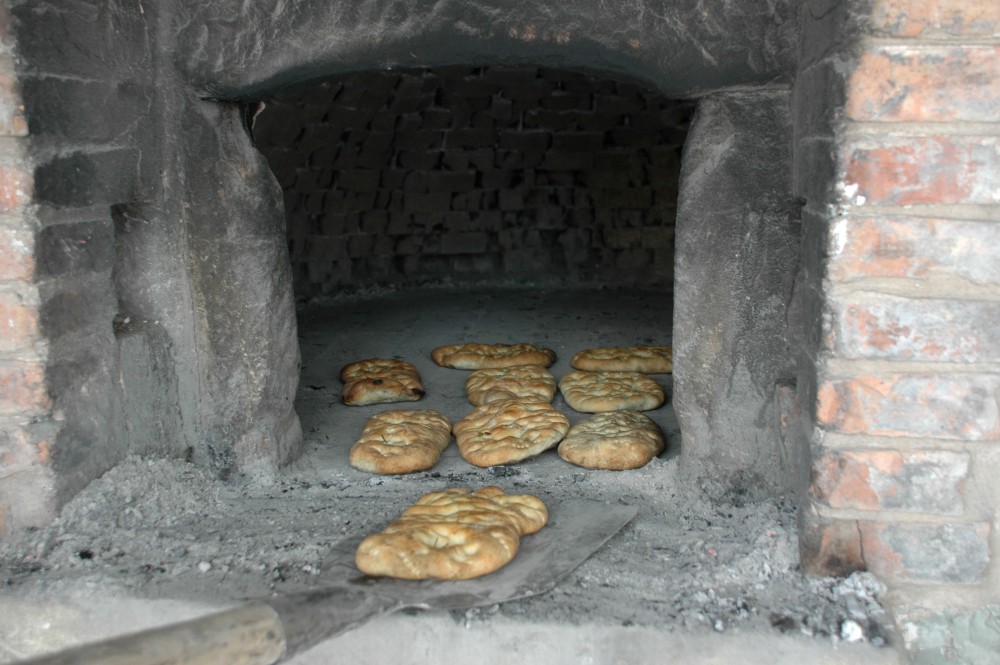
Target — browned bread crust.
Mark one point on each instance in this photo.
(524, 382)
(594, 392)
(455, 534)
(509, 431)
(615, 440)
(403, 441)
(645, 359)
(380, 381)
(481, 356)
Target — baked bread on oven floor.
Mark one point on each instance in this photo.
(615, 440)
(455, 534)
(645, 359)
(379, 381)
(481, 356)
(525, 382)
(594, 392)
(509, 431)
(403, 441)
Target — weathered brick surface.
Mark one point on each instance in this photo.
(75, 247)
(15, 187)
(935, 18)
(22, 389)
(829, 547)
(12, 118)
(17, 262)
(25, 446)
(940, 406)
(922, 170)
(871, 325)
(925, 552)
(928, 481)
(913, 247)
(925, 84)
(18, 323)
(87, 178)
(461, 153)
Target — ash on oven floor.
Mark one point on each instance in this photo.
(160, 540)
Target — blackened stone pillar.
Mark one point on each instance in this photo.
(737, 254)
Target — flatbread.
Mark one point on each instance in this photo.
(455, 534)
(481, 356)
(615, 440)
(524, 382)
(380, 381)
(403, 441)
(645, 359)
(509, 431)
(594, 392)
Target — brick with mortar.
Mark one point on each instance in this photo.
(921, 481)
(934, 18)
(419, 159)
(578, 141)
(16, 185)
(22, 388)
(428, 202)
(457, 160)
(423, 140)
(913, 552)
(468, 201)
(942, 406)
(19, 321)
(464, 243)
(568, 161)
(535, 141)
(360, 246)
(471, 138)
(829, 547)
(912, 247)
(511, 199)
(16, 255)
(927, 83)
(359, 180)
(451, 181)
(399, 223)
(875, 325)
(922, 170)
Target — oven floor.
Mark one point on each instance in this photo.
(159, 540)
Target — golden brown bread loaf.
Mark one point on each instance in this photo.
(455, 534)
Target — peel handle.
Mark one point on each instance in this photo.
(250, 634)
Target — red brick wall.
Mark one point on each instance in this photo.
(906, 291)
(26, 429)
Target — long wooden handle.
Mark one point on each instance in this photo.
(250, 634)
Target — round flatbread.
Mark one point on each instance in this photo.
(594, 392)
(616, 440)
(481, 356)
(523, 382)
(509, 431)
(645, 359)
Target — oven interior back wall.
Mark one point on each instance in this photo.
(517, 174)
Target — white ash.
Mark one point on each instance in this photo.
(166, 529)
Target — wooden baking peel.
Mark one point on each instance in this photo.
(270, 630)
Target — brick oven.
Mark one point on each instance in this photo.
(816, 183)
